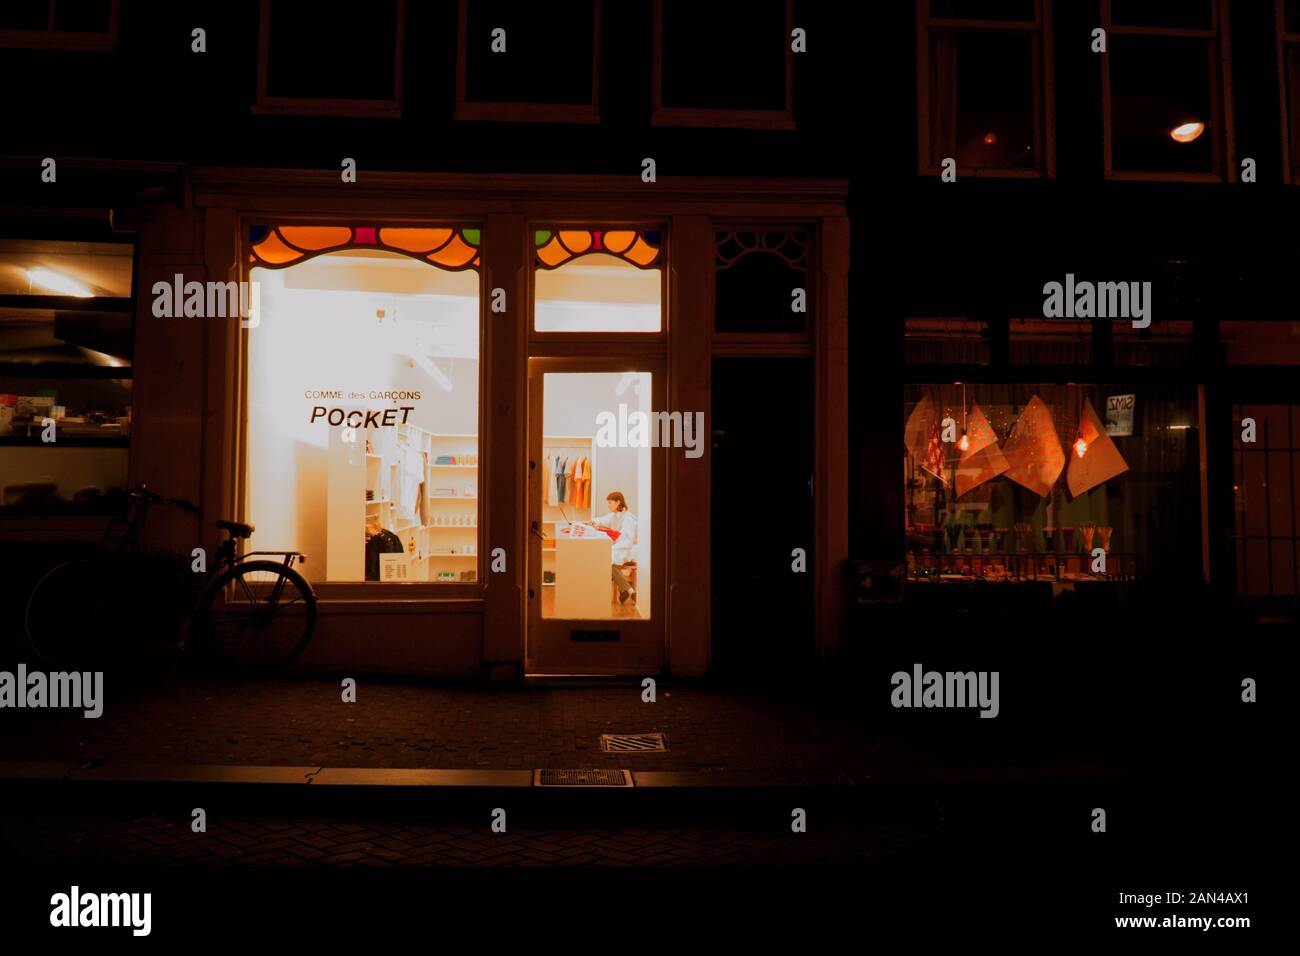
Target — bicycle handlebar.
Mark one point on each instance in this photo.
(140, 491)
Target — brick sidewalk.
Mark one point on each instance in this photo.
(302, 721)
(153, 841)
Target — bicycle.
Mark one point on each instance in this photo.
(247, 613)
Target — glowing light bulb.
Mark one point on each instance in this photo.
(990, 139)
(1080, 447)
(965, 442)
(1187, 132)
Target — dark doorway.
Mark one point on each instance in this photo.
(761, 511)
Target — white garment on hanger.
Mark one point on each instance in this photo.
(410, 474)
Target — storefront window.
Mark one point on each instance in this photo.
(363, 377)
(593, 280)
(66, 342)
(1006, 483)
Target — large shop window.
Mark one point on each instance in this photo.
(983, 72)
(66, 339)
(1163, 83)
(1023, 483)
(597, 280)
(363, 378)
(1266, 490)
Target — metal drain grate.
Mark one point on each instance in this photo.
(633, 743)
(581, 778)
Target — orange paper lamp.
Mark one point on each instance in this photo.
(1100, 460)
(1033, 452)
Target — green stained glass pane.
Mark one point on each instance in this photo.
(540, 237)
(471, 236)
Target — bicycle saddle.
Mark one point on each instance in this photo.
(236, 528)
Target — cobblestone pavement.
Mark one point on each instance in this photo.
(154, 841)
(303, 721)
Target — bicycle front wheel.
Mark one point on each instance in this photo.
(258, 615)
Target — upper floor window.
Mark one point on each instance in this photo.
(59, 24)
(313, 62)
(713, 67)
(1288, 30)
(983, 71)
(520, 62)
(1164, 77)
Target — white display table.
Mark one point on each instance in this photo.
(582, 571)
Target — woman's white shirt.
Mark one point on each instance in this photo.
(624, 522)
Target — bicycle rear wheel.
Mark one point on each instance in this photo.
(66, 615)
(258, 615)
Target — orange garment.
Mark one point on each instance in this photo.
(570, 489)
(584, 482)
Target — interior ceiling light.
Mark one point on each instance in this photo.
(1080, 447)
(57, 282)
(990, 139)
(1187, 132)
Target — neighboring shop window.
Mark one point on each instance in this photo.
(598, 280)
(983, 72)
(1288, 28)
(1021, 483)
(1266, 490)
(312, 60)
(522, 61)
(714, 68)
(762, 281)
(66, 339)
(1163, 82)
(60, 24)
(363, 379)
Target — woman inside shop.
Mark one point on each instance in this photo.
(619, 524)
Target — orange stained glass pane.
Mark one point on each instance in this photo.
(315, 238)
(553, 253)
(642, 253)
(577, 240)
(619, 241)
(454, 254)
(415, 240)
(273, 251)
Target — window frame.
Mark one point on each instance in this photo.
(1219, 38)
(267, 105)
(524, 112)
(365, 590)
(1044, 88)
(542, 343)
(52, 39)
(698, 116)
(1287, 43)
(814, 291)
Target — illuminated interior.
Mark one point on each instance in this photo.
(363, 409)
(594, 281)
